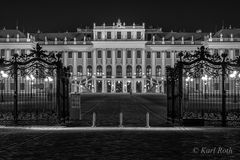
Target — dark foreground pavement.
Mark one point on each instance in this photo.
(120, 143)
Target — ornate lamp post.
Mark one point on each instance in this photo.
(31, 78)
(205, 79)
(188, 80)
(2, 76)
(49, 80)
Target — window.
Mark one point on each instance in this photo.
(129, 55)
(79, 54)
(2, 86)
(89, 54)
(70, 69)
(129, 71)
(99, 35)
(158, 54)
(89, 70)
(109, 54)
(2, 53)
(79, 70)
(148, 54)
(109, 35)
(69, 54)
(139, 35)
(22, 87)
(138, 54)
(129, 36)
(216, 86)
(12, 52)
(226, 51)
(237, 53)
(138, 71)
(149, 71)
(109, 71)
(168, 55)
(99, 71)
(158, 71)
(119, 36)
(22, 51)
(119, 54)
(215, 51)
(99, 54)
(119, 72)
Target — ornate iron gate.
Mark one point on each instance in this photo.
(202, 85)
(34, 88)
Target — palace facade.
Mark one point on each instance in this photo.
(119, 58)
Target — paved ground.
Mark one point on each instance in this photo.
(134, 108)
(87, 143)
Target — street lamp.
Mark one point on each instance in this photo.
(2, 76)
(205, 78)
(234, 76)
(30, 78)
(49, 80)
(188, 80)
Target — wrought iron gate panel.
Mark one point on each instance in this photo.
(35, 88)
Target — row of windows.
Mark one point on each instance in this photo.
(99, 70)
(216, 51)
(119, 54)
(119, 35)
(215, 86)
(12, 52)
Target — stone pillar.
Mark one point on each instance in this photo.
(103, 86)
(143, 86)
(94, 63)
(143, 63)
(84, 63)
(113, 86)
(7, 54)
(104, 63)
(172, 58)
(231, 54)
(134, 64)
(153, 64)
(124, 86)
(65, 57)
(163, 70)
(113, 63)
(124, 64)
(133, 86)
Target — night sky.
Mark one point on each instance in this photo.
(61, 16)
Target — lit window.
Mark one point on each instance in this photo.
(168, 55)
(138, 54)
(99, 35)
(89, 54)
(129, 36)
(119, 36)
(139, 35)
(109, 35)
(158, 54)
(148, 54)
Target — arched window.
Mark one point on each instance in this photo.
(99, 71)
(149, 71)
(129, 71)
(70, 69)
(119, 72)
(109, 71)
(79, 70)
(158, 71)
(89, 70)
(138, 71)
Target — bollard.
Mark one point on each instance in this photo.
(121, 120)
(94, 120)
(147, 120)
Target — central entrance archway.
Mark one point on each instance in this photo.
(119, 86)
